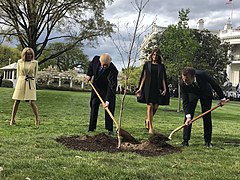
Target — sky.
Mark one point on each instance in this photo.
(215, 14)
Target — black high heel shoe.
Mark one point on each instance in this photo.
(12, 122)
(147, 124)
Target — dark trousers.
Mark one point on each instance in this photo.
(94, 104)
(206, 104)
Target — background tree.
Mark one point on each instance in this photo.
(35, 23)
(179, 48)
(46, 75)
(74, 58)
(8, 55)
(134, 78)
(212, 55)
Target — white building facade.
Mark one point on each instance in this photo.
(233, 37)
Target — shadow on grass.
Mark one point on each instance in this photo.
(229, 141)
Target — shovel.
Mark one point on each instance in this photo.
(194, 119)
(124, 134)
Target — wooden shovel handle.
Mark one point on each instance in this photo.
(107, 109)
(194, 119)
(110, 114)
(206, 112)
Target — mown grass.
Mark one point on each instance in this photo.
(27, 152)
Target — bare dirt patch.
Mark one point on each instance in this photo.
(155, 145)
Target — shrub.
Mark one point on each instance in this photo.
(7, 83)
(61, 88)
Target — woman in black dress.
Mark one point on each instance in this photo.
(153, 87)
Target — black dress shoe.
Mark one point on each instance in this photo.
(208, 144)
(91, 130)
(110, 133)
(185, 143)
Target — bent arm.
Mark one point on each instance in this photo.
(36, 71)
(164, 84)
(142, 82)
(215, 86)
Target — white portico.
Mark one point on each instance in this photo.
(10, 73)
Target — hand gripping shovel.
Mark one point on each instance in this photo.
(194, 119)
(124, 134)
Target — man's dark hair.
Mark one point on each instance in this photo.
(188, 71)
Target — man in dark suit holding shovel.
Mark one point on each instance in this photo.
(197, 85)
(105, 82)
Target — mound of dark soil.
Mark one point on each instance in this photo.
(154, 146)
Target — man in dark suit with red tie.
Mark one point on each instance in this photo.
(198, 85)
(105, 82)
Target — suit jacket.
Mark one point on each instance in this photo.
(204, 88)
(163, 100)
(105, 83)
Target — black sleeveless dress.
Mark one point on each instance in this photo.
(155, 74)
(154, 92)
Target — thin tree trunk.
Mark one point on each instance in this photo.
(179, 96)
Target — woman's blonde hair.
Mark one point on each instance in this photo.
(25, 50)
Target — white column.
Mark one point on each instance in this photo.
(229, 72)
(235, 78)
(12, 74)
(82, 85)
(4, 74)
(60, 82)
(71, 83)
(14, 83)
(229, 68)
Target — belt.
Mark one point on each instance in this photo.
(28, 78)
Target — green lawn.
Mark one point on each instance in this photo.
(27, 152)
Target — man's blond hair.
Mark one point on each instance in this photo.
(105, 58)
